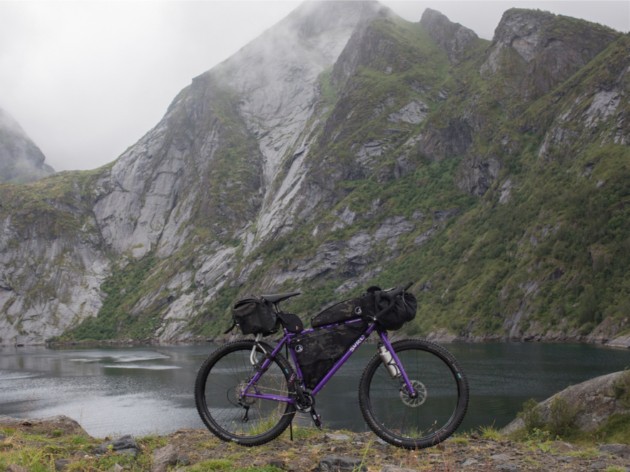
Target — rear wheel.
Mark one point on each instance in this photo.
(421, 420)
(228, 413)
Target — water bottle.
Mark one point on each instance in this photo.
(388, 360)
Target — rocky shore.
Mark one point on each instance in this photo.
(594, 414)
(60, 444)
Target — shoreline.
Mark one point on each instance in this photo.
(621, 342)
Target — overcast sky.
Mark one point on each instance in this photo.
(86, 79)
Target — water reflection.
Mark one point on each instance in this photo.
(150, 390)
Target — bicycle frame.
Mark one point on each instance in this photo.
(285, 341)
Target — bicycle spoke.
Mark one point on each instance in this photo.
(420, 421)
(234, 416)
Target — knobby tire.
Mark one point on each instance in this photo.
(251, 422)
(414, 422)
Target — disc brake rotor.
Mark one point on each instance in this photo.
(419, 399)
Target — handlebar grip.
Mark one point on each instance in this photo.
(390, 296)
(397, 291)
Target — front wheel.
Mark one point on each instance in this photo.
(421, 420)
(224, 402)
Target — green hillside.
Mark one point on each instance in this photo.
(494, 175)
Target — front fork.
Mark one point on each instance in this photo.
(394, 365)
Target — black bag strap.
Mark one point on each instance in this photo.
(230, 328)
(390, 296)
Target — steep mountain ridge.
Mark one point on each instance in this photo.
(541, 50)
(342, 148)
(20, 158)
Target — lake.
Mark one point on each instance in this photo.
(149, 390)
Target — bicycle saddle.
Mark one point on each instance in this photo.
(278, 297)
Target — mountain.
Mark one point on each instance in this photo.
(346, 147)
(20, 159)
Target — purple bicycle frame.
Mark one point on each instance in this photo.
(333, 370)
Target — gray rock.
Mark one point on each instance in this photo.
(531, 35)
(594, 402)
(500, 457)
(20, 158)
(279, 464)
(341, 464)
(394, 468)
(454, 38)
(16, 468)
(619, 450)
(61, 464)
(337, 437)
(413, 113)
(163, 458)
(123, 445)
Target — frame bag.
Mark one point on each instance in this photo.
(354, 308)
(254, 316)
(318, 350)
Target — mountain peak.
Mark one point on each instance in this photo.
(547, 48)
(315, 17)
(277, 73)
(20, 159)
(452, 37)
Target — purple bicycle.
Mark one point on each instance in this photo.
(412, 393)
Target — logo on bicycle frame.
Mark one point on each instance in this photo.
(357, 343)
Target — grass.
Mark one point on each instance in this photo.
(38, 450)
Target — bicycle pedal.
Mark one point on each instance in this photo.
(316, 418)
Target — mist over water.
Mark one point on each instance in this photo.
(149, 390)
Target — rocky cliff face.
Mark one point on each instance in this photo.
(343, 147)
(20, 159)
(543, 49)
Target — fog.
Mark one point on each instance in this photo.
(87, 79)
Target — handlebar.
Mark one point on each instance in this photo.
(391, 295)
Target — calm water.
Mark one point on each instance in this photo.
(149, 390)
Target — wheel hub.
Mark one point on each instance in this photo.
(418, 399)
(242, 399)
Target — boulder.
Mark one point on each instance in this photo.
(592, 402)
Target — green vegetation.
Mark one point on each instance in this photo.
(622, 389)
(560, 424)
(507, 206)
(116, 319)
(45, 447)
(38, 451)
(58, 205)
(227, 465)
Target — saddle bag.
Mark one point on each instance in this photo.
(318, 350)
(254, 316)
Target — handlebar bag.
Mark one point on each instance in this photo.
(403, 310)
(254, 316)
